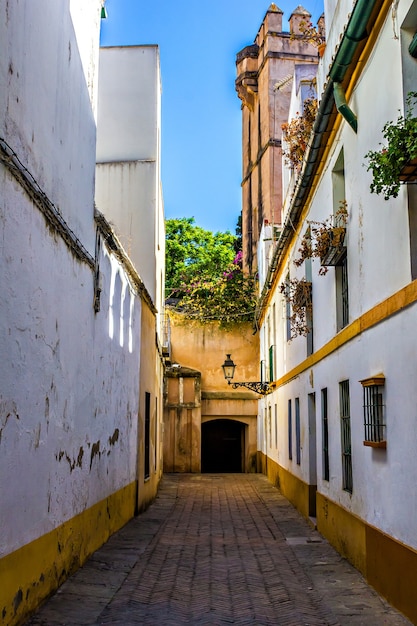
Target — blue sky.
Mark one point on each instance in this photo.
(201, 116)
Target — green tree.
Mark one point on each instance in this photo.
(204, 275)
(193, 252)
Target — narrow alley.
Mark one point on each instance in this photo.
(217, 549)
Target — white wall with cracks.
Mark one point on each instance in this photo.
(69, 376)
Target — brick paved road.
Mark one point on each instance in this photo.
(217, 550)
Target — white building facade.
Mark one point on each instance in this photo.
(337, 433)
(72, 453)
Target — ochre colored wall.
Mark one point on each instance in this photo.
(203, 347)
(391, 568)
(297, 491)
(345, 531)
(200, 349)
(182, 421)
(150, 380)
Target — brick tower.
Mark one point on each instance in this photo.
(264, 82)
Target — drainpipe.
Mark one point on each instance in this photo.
(355, 33)
(343, 107)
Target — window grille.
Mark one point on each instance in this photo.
(342, 294)
(346, 436)
(374, 412)
(289, 430)
(147, 434)
(271, 363)
(270, 426)
(297, 431)
(263, 371)
(325, 431)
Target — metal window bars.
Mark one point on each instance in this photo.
(374, 412)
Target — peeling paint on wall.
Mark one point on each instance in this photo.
(114, 437)
(8, 410)
(95, 450)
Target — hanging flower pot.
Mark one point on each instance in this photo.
(396, 162)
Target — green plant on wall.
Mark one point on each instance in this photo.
(400, 148)
(204, 276)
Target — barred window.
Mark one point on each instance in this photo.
(374, 411)
(344, 398)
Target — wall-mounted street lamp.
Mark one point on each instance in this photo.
(229, 367)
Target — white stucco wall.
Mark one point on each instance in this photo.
(69, 389)
(69, 377)
(378, 245)
(45, 105)
(128, 179)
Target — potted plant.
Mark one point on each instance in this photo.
(396, 162)
(298, 293)
(325, 240)
(296, 134)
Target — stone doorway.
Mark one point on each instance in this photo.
(222, 446)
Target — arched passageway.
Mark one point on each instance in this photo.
(222, 446)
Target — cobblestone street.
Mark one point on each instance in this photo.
(217, 549)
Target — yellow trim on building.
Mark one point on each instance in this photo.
(379, 313)
(292, 487)
(34, 571)
(387, 564)
(345, 531)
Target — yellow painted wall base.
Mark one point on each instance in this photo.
(294, 489)
(392, 571)
(32, 573)
(346, 532)
(389, 566)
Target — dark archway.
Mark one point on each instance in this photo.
(222, 445)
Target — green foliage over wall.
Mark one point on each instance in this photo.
(204, 278)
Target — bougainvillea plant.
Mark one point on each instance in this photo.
(229, 298)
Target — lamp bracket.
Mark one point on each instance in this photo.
(259, 387)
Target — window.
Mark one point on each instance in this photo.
(297, 431)
(156, 436)
(147, 433)
(271, 363)
(325, 435)
(276, 425)
(263, 372)
(270, 426)
(309, 310)
(288, 309)
(373, 411)
(289, 430)
(342, 294)
(344, 400)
